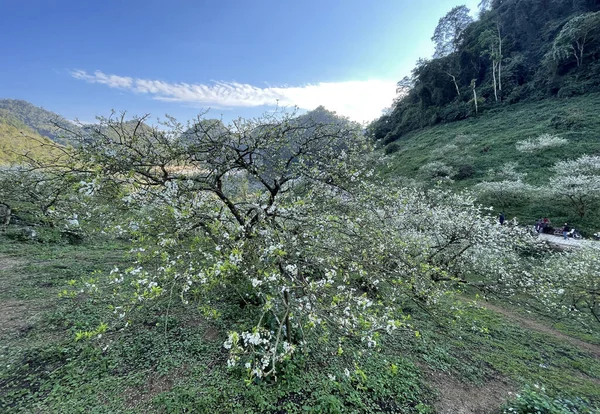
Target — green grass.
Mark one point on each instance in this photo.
(489, 142)
(153, 368)
(181, 367)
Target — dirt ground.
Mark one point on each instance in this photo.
(456, 397)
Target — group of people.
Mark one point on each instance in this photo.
(543, 226)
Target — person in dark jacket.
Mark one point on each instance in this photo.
(501, 219)
(566, 231)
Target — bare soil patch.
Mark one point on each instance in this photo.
(17, 316)
(7, 262)
(456, 397)
(141, 396)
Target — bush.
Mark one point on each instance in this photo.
(392, 148)
(567, 121)
(537, 401)
(542, 142)
(570, 90)
(514, 96)
(456, 111)
(464, 172)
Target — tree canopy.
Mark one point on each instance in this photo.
(448, 33)
(517, 50)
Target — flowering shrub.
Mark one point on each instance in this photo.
(542, 142)
(577, 182)
(568, 283)
(437, 170)
(51, 198)
(506, 187)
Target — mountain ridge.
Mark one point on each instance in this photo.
(20, 113)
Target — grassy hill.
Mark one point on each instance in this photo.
(19, 113)
(474, 146)
(14, 142)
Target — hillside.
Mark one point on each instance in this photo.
(517, 50)
(14, 142)
(476, 149)
(19, 113)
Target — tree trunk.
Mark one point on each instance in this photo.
(580, 47)
(475, 97)
(576, 54)
(499, 62)
(455, 84)
(494, 64)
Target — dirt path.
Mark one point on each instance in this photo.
(7, 262)
(456, 397)
(538, 327)
(560, 242)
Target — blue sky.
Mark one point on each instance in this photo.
(239, 58)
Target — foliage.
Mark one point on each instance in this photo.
(577, 36)
(517, 50)
(176, 363)
(535, 400)
(541, 142)
(505, 193)
(447, 34)
(40, 198)
(437, 171)
(277, 232)
(17, 141)
(578, 181)
(569, 284)
(392, 148)
(489, 142)
(507, 187)
(22, 114)
(280, 214)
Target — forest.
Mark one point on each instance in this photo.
(517, 50)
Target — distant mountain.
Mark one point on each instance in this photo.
(22, 114)
(18, 140)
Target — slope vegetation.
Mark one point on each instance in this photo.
(19, 113)
(15, 142)
(475, 148)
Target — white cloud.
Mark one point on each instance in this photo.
(359, 100)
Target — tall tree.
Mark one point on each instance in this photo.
(491, 42)
(576, 36)
(448, 33)
(473, 86)
(484, 6)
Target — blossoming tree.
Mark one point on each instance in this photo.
(283, 217)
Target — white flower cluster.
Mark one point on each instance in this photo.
(542, 142)
(437, 170)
